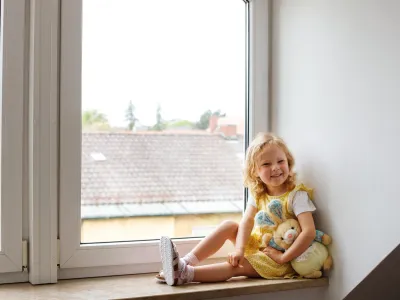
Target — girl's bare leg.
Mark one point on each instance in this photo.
(227, 230)
(222, 272)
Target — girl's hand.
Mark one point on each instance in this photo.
(236, 258)
(276, 255)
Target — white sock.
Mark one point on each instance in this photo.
(189, 273)
(186, 273)
(191, 259)
(185, 265)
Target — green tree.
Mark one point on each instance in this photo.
(94, 119)
(160, 125)
(205, 118)
(180, 123)
(130, 116)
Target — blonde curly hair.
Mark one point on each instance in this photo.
(251, 179)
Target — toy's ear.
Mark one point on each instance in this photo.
(262, 219)
(275, 245)
(275, 207)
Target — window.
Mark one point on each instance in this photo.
(152, 140)
(143, 103)
(11, 130)
(83, 253)
(162, 117)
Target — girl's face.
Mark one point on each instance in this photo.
(272, 167)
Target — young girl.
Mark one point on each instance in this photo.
(268, 175)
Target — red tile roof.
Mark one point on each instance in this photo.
(166, 167)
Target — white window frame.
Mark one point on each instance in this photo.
(43, 140)
(13, 74)
(259, 60)
(103, 259)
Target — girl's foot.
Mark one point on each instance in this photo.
(160, 276)
(190, 259)
(176, 271)
(169, 260)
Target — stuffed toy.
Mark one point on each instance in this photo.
(314, 259)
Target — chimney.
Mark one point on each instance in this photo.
(213, 123)
(228, 131)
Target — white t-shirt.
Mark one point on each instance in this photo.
(298, 203)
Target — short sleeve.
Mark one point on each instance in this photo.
(302, 203)
(251, 201)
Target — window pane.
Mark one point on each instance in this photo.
(163, 109)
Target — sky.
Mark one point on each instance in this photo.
(186, 55)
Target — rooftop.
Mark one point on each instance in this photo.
(166, 173)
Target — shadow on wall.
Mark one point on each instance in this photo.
(323, 218)
(383, 282)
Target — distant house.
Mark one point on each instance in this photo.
(230, 127)
(132, 178)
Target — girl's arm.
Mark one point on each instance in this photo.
(245, 227)
(300, 245)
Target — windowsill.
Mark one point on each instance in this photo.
(144, 286)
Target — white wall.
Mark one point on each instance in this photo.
(336, 101)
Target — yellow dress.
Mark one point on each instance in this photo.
(263, 264)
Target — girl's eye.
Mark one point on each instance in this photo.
(266, 164)
(281, 161)
(282, 238)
